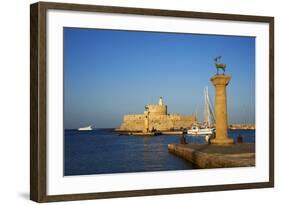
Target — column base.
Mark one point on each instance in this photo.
(222, 141)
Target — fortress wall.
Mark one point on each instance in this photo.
(132, 126)
(183, 117)
(182, 124)
(132, 122)
(168, 122)
(133, 117)
(158, 122)
(182, 121)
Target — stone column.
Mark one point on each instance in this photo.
(220, 82)
(146, 122)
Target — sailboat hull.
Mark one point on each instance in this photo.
(206, 131)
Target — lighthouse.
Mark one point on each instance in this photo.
(161, 103)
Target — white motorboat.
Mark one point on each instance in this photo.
(88, 128)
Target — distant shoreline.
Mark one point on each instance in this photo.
(93, 129)
(113, 129)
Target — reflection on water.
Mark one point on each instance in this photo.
(104, 151)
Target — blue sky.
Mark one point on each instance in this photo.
(109, 73)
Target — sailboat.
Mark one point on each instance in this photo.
(205, 128)
(88, 128)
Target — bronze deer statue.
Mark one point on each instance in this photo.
(219, 65)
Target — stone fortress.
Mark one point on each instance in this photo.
(156, 118)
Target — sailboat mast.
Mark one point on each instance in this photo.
(206, 108)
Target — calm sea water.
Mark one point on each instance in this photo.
(103, 151)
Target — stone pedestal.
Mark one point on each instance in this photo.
(220, 82)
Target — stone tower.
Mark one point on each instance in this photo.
(220, 82)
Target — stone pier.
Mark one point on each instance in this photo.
(220, 82)
(216, 156)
